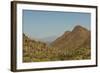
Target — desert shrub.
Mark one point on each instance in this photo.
(26, 59)
(36, 51)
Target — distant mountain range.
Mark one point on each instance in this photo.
(72, 45)
(48, 40)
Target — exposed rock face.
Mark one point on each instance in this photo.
(79, 37)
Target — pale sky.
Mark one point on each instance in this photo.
(40, 24)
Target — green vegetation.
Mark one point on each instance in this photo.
(36, 51)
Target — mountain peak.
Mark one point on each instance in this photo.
(79, 28)
(72, 39)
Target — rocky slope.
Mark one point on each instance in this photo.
(79, 37)
(72, 45)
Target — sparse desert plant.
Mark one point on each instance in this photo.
(37, 51)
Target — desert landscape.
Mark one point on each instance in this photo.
(71, 45)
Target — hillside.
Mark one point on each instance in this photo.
(77, 38)
(37, 51)
(72, 45)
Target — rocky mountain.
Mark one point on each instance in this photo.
(79, 37)
(72, 45)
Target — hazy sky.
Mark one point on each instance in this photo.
(41, 24)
